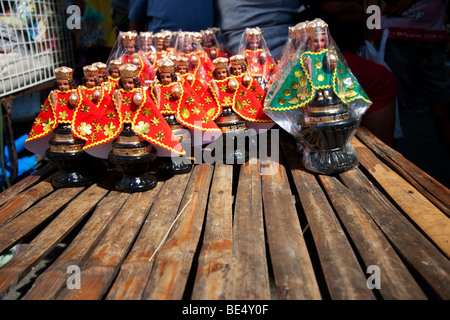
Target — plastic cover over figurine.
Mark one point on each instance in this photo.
(200, 64)
(319, 101)
(260, 63)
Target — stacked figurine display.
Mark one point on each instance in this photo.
(158, 91)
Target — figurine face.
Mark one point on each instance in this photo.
(167, 42)
(207, 42)
(182, 69)
(114, 73)
(89, 82)
(188, 47)
(166, 78)
(128, 84)
(221, 74)
(159, 46)
(319, 42)
(236, 70)
(146, 46)
(129, 48)
(62, 85)
(253, 44)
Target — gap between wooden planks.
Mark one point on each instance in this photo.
(428, 217)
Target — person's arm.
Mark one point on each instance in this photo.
(137, 13)
(397, 7)
(343, 11)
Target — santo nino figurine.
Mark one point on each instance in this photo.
(130, 131)
(319, 101)
(179, 105)
(52, 132)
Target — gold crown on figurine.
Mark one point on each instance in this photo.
(146, 36)
(317, 27)
(220, 63)
(128, 37)
(167, 33)
(182, 61)
(101, 66)
(90, 71)
(63, 73)
(115, 64)
(198, 36)
(128, 70)
(159, 36)
(208, 32)
(237, 60)
(166, 65)
(253, 33)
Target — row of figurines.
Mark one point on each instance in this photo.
(112, 102)
(200, 49)
(126, 123)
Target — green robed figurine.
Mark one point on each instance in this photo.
(319, 101)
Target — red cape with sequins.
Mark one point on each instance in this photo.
(187, 108)
(243, 102)
(145, 119)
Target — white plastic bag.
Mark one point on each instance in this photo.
(369, 52)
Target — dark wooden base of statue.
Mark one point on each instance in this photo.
(167, 167)
(234, 132)
(176, 165)
(73, 164)
(327, 148)
(133, 158)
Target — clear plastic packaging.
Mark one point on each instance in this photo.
(260, 62)
(188, 45)
(319, 101)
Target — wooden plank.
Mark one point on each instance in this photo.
(52, 280)
(103, 263)
(23, 201)
(213, 271)
(47, 240)
(430, 219)
(14, 231)
(433, 190)
(374, 248)
(344, 277)
(136, 269)
(293, 270)
(420, 254)
(249, 269)
(173, 262)
(18, 187)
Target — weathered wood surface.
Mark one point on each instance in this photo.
(343, 274)
(432, 189)
(262, 230)
(427, 216)
(212, 280)
(250, 275)
(136, 269)
(292, 266)
(173, 262)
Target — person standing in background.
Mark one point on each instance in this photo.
(273, 17)
(415, 52)
(119, 15)
(173, 15)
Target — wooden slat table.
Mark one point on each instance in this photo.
(262, 230)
